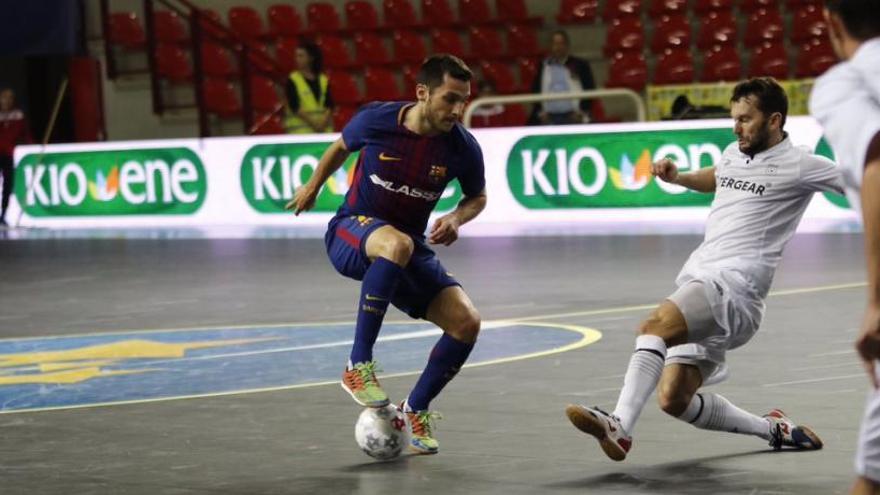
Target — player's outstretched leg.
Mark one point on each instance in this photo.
(453, 312)
(679, 397)
(389, 250)
(665, 327)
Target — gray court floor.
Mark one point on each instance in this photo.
(504, 429)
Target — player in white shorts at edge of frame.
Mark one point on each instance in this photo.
(846, 101)
(762, 186)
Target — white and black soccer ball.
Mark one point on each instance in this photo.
(382, 433)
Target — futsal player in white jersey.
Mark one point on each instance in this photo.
(762, 186)
(846, 101)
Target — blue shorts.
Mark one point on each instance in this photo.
(422, 279)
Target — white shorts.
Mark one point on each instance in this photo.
(868, 450)
(699, 303)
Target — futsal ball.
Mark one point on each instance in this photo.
(382, 433)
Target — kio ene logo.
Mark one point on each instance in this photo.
(167, 181)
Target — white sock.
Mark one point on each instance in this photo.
(642, 376)
(709, 411)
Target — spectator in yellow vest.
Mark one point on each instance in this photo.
(309, 104)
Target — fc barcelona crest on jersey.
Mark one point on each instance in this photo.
(437, 173)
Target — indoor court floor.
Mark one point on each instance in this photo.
(196, 366)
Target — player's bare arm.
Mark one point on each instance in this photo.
(702, 180)
(445, 229)
(868, 343)
(304, 197)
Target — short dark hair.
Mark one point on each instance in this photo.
(315, 54)
(436, 66)
(771, 97)
(563, 33)
(861, 18)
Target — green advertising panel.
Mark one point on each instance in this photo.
(161, 181)
(824, 149)
(609, 170)
(270, 173)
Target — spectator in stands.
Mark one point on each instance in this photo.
(13, 130)
(309, 103)
(562, 72)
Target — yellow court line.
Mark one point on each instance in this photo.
(552, 316)
(588, 336)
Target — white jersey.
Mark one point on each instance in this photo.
(846, 102)
(758, 204)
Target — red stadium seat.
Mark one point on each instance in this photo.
(216, 61)
(795, 4)
(703, 7)
(522, 41)
(438, 13)
(749, 6)
(264, 95)
(284, 21)
(381, 85)
(334, 50)
(628, 70)
(370, 49)
(510, 115)
(671, 32)
(344, 88)
(515, 12)
(721, 63)
(447, 41)
(624, 35)
(265, 124)
(410, 75)
(765, 26)
(622, 8)
(667, 7)
(577, 11)
(360, 15)
(485, 42)
(769, 59)
(221, 98)
(808, 22)
(342, 115)
(399, 14)
(674, 67)
(500, 75)
(169, 27)
(814, 58)
(126, 31)
(474, 12)
(716, 28)
(212, 25)
(246, 22)
(409, 48)
(285, 53)
(528, 70)
(172, 63)
(260, 58)
(322, 17)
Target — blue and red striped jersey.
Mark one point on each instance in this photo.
(400, 175)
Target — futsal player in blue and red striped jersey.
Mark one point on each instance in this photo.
(409, 152)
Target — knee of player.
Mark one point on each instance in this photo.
(469, 326)
(398, 248)
(672, 402)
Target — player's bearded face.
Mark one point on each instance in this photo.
(751, 126)
(445, 103)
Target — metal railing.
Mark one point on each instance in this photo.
(197, 22)
(629, 94)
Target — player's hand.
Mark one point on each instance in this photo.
(665, 169)
(868, 342)
(303, 200)
(445, 230)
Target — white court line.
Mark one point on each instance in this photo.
(827, 366)
(815, 380)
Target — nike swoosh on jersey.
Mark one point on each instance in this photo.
(374, 298)
(388, 158)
